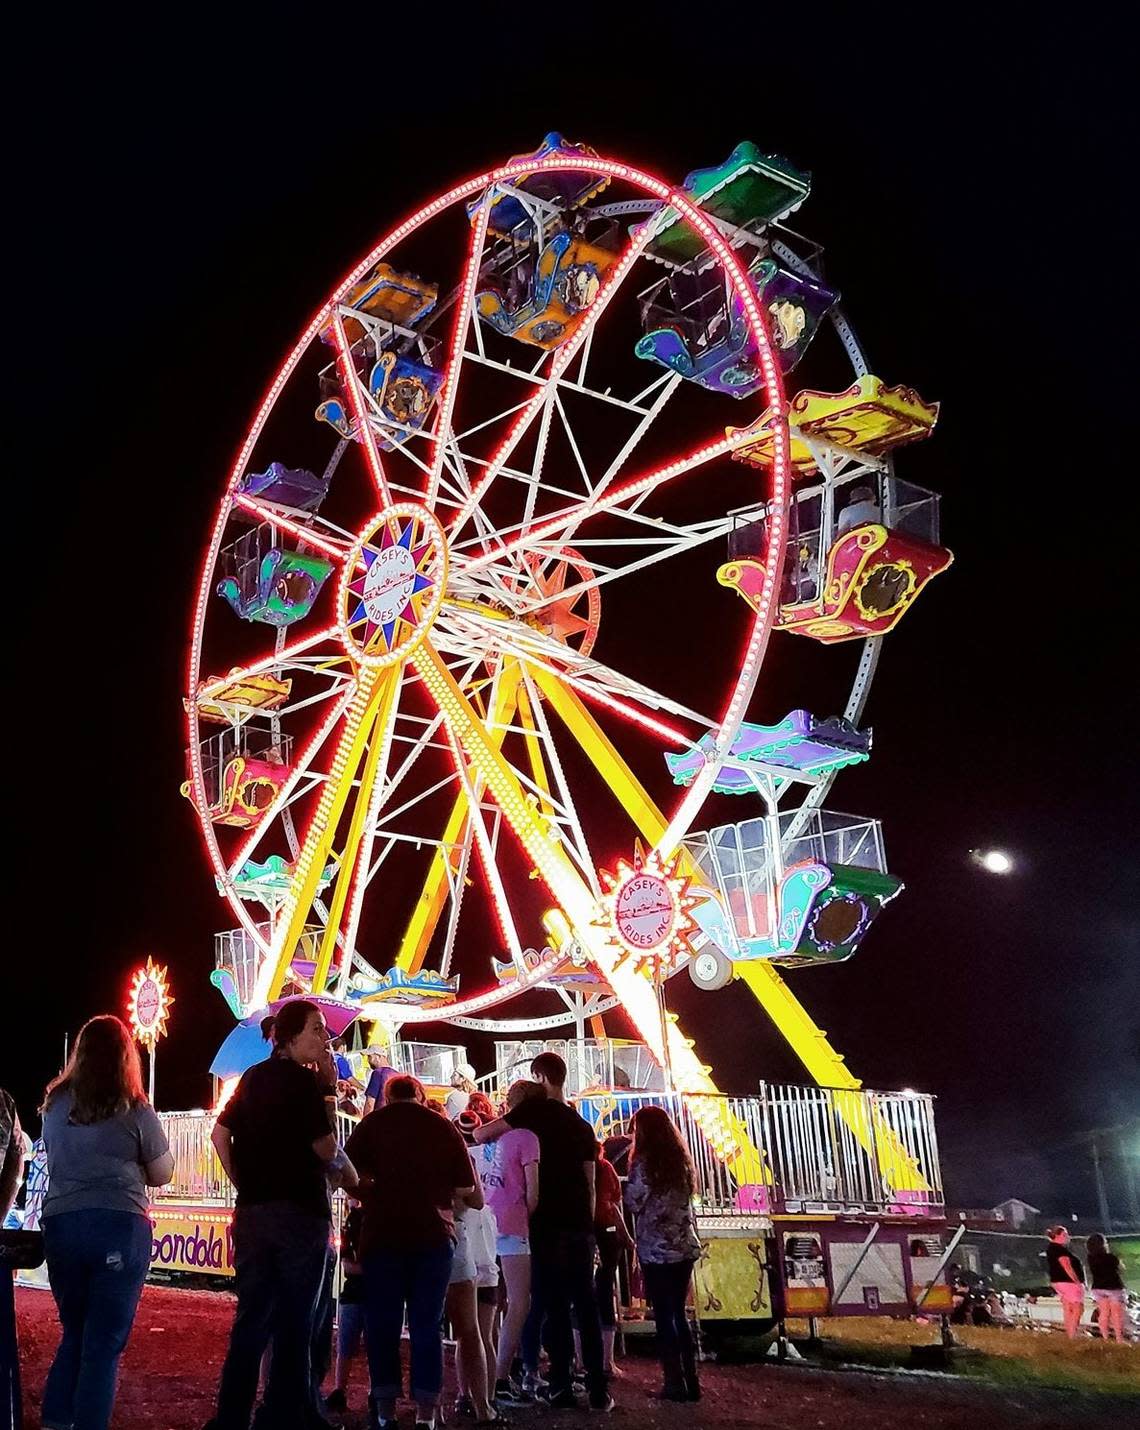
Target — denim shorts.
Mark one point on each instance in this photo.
(1108, 1298)
(350, 1328)
(512, 1245)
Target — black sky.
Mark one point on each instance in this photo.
(183, 200)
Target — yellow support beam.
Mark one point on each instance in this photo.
(809, 1042)
(433, 897)
(806, 1039)
(534, 749)
(377, 740)
(577, 914)
(322, 831)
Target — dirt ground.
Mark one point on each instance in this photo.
(171, 1367)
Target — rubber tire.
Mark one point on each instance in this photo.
(720, 974)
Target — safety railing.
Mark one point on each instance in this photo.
(198, 1175)
(795, 1148)
(792, 1149)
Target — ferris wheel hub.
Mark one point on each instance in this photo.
(392, 585)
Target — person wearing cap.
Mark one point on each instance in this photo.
(381, 1072)
(861, 509)
(462, 1086)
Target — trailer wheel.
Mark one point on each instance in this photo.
(710, 969)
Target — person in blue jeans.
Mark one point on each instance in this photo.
(412, 1165)
(105, 1147)
(275, 1142)
(562, 1246)
(11, 1174)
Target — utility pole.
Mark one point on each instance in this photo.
(1101, 1197)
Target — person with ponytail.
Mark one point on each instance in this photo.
(105, 1147)
(275, 1141)
(660, 1195)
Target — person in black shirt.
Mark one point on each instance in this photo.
(1107, 1273)
(1067, 1276)
(275, 1142)
(562, 1243)
(413, 1165)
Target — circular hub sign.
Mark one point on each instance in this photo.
(392, 585)
(645, 912)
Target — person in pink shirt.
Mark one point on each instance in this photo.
(509, 1169)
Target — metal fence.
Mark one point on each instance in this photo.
(791, 1149)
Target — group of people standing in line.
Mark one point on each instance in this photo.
(441, 1208)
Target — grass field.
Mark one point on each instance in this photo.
(1000, 1356)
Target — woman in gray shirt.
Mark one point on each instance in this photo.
(105, 1147)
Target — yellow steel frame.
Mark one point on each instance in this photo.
(482, 738)
(377, 740)
(807, 1040)
(425, 916)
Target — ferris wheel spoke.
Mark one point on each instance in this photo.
(350, 385)
(368, 800)
(487, 854)
(553, 528)
(563, 358)
(674, 541)
(446, 408)
(283, 657)
(287, 790)
(531, 711)
(337, 551)
(457, 832)
(379, 726)
(593, 677)
(316, 847)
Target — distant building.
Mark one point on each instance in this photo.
(1016, 1214)
(978, 1218)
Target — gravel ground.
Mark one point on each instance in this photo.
(171, 1367)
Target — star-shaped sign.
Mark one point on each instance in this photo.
(392, 588)
(646, 911)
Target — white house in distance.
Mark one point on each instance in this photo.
(1015, 1213)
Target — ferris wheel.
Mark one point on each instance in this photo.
(469, 667)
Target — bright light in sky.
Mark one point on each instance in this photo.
(994, 861)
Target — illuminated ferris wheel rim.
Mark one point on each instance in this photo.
(778, 497)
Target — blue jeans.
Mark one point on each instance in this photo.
(11, 1416)
(349, 1330)
(97, 1262)
(667, 1286)
(280, 1255)
(416, 1277)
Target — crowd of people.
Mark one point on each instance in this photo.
(504, 1225)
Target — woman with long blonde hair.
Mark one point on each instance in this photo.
(105, 1147)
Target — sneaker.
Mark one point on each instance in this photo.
(533, 1384)
(511, 1395)
(602, 1404)
(561, 1399)
(335, 1402)
(375, 1421)
(673, 1392)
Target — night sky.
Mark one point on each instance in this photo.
(182, 212)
